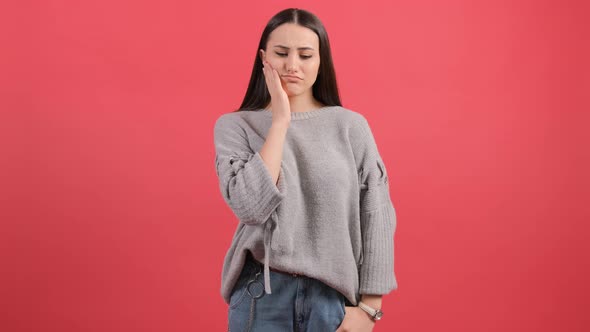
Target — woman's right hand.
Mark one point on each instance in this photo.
(280, 107)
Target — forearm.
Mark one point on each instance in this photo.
(373, 301)
(272, 150)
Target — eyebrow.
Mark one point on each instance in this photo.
(299, 48)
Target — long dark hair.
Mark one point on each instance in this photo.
(324, 88)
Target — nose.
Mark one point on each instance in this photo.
(292, 62)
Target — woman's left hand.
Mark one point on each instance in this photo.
(356, 320)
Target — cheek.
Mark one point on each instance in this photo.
(311, 71)
(274, 62)
(312, 66)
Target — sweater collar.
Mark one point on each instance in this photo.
(304, 115)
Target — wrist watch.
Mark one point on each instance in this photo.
(375, 314)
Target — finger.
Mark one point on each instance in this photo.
(276, 76)
(270, 70)
(277, 79)
(266, 75)
(274, 81)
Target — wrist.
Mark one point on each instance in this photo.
(281, 124)
(374, 301)
(371, 304)
(373, 313)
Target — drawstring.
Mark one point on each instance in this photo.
(267, 249)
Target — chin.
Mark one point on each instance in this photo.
(291, 95)
(294, 92)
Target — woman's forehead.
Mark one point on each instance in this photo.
(293, 36)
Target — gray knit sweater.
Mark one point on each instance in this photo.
(329, 216)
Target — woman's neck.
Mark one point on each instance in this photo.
(298, 104)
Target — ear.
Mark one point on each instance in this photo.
(262, 55)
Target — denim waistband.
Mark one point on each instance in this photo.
(253, 263)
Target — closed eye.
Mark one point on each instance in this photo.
(285, 54)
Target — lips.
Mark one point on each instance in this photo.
(291, 77)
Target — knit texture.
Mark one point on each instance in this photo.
(329, 216)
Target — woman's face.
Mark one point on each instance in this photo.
(294, 50)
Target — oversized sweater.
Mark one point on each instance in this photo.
(328, 217)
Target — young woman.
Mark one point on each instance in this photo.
(313, 248)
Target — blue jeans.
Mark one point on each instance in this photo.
(297, 303)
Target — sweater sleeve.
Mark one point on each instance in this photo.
(377, 217)
(244, 180)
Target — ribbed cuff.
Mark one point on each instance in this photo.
(377, 274)
(265, 196)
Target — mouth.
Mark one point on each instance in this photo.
(291, 79)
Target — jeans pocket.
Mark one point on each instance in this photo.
(239, 292)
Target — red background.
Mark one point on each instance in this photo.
(112, 219)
